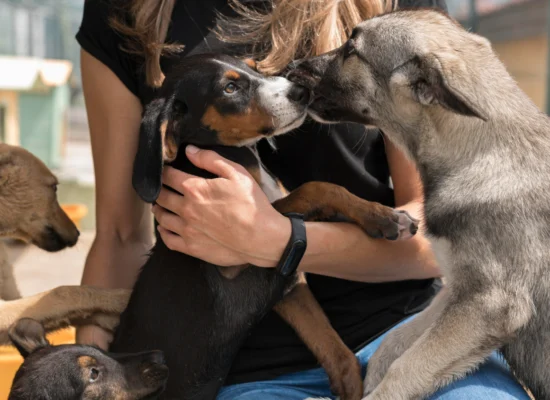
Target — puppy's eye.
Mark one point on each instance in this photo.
(230, 88)
(94, 375)
(54, 187)
(349, 48)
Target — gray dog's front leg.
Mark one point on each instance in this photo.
(464, 334)
(400, 339)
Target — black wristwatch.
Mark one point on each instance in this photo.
(296, 246)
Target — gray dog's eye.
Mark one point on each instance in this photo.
(94, 375)
(349, 48)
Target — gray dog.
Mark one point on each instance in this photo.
(483, 152)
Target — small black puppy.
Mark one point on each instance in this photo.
(71, 372)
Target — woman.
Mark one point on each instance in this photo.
(365, 286)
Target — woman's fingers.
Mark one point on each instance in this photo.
(172, 241)
(200, 248)
(213, 162)
(170, 201)
(168, 220)
(178, 180)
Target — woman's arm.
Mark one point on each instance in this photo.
(123, 221)
(343, 250)
(229, 221)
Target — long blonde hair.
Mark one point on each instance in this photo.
(290, 29)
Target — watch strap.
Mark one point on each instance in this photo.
(296, 246)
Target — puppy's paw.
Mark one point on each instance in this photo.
(380, 362)
(368, 389)
(346, 380)
(391, 225)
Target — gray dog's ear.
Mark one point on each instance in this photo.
(148, 163)
(28, 335)
(445, 80)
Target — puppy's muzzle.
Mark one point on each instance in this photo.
(304, 77)
(153, 368)
(300, 94)
(51, 240)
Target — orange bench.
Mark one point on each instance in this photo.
(10, 360)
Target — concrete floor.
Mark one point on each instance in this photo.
(37, 270)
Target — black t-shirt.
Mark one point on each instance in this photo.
(346, 154)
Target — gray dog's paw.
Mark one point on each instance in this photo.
(373, 379)
(390, 349)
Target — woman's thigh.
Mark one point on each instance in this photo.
(297, 386)
(492, 380)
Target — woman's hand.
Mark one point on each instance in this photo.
(225, 221)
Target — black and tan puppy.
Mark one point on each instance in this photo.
(71, 372)
(196, 312)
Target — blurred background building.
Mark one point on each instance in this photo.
(41, 104)
(518, 30)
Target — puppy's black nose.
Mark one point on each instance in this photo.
(156, 357)
(299, 94)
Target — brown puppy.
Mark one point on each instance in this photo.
(29, 210)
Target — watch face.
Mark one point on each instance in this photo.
(294, 257)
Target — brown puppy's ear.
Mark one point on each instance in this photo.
(444, 79)
(147, 173)
(28, 335)
(6, 155)
(251, 63)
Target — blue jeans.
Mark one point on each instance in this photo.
(492, 381)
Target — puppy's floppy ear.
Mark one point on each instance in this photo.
(444, 79)
(28, 335)
(147, 173)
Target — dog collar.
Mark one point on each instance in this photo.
(296, 246)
